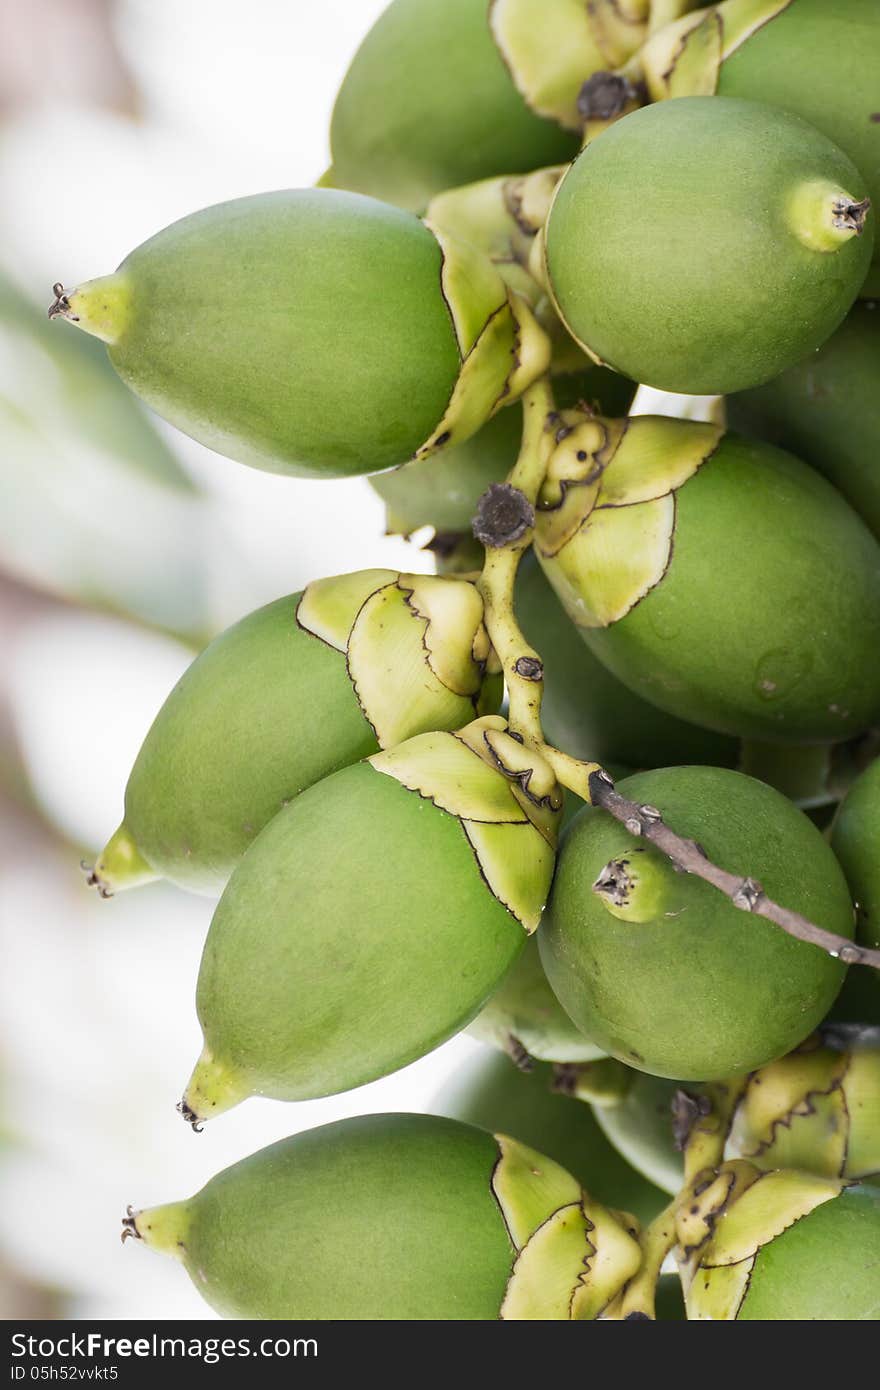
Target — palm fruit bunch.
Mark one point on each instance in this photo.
(401, 787)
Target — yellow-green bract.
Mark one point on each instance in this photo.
(721, 579)
(396, 1217)
(311, 332)
(659, 967)
(373, 916)
(791, 1249)
(703, 245)
(443, 491)
(293, 692)
(493, 1094)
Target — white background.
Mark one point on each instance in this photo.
(97, 1024)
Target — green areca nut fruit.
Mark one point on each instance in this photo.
(826, 409)
(704, 245)
(492, 1094)
(590, 713)
(524, 1018)
(313, 332)
(662, 970)
(288, 695)
(855, 838)
(721, 579)
(780, 1246)
(814, 59)
(444, 92)
(818, 1109)
(372, 918)
(639, 1123)
(396, 1217)
(443, 491)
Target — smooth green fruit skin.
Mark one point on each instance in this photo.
(669, 251)
(428, 103)
(640, 1128)
(855, 839)
(494, 1095)
(821, 62)
(826, 409)
(705, 990)
(586, 710)
(355, 935)
(823, 1268)
(443, 490)
(378, 1217)
(265, 711)
(766, 623)
(300, 332)
(524, 1010)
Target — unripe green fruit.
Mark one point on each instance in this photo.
(640, 1126)
(677, 980)
(721, 579)
(826, 409)
(372, 918)
(444, 92)
(706, 244)
(855, 839)
(814, 59)
(525, 1019)
(286, 696)
(493, 1094)
(395, 1217)
(443, 491)
(309, 332)
(588, 711)
(791, 1248)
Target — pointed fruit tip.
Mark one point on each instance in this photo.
(99, 307)
(213, 1088)
(120, 865)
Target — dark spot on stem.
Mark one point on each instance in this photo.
(504, 515)
(604, 96)
(529, 667)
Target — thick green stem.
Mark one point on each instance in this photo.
(522, 666)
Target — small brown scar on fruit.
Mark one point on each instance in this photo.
(190, 1116)
(850, 216)
(504, 515)
(614, 883)
(875, 117)
(129, 1229)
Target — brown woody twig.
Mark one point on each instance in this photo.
(744, 893)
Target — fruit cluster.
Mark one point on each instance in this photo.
(534, 205)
